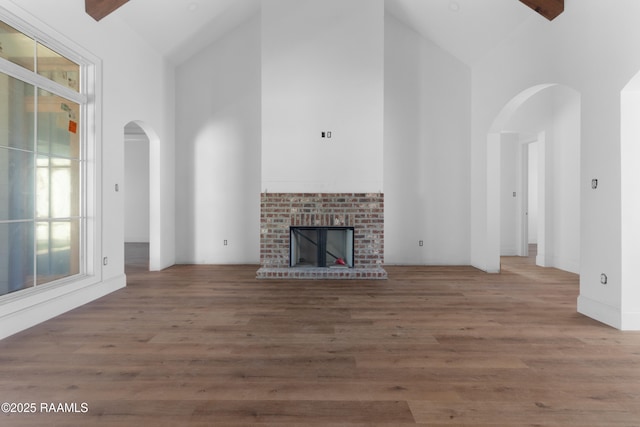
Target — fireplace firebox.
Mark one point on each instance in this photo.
(313, 247)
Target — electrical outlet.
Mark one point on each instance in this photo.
(594, 183)
(226, 243)
(105, 261)
(603, 279)
(420, 243)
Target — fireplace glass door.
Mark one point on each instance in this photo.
(321, 247)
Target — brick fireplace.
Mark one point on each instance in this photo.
(362, 211)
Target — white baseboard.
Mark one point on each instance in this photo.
(601, 312)
(22, 312)
(630, 321)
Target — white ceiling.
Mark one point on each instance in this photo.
(465, 28)
(180, 28)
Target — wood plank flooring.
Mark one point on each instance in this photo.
(436, 346)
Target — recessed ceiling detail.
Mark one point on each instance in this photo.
(98, 9)
(550, 9)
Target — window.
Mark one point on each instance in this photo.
(43, 147)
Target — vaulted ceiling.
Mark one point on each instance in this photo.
(465, 28)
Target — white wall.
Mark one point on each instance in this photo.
(532, 192)
(426, 145)
(565, 180)
(137, 84)
(631, 198)
(592, 47)
(136, 189)
(510, 171)
(404, 180)
(426, 151)
(322, 70)
(218, 156)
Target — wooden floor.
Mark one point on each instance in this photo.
(437, 346)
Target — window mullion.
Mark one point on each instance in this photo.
(28, 76)
(35, 185)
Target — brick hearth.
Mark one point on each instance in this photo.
(363, 211)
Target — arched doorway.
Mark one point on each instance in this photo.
(142, 191)
(548, 115)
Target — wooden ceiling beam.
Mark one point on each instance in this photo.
(98, 9)
(550, 9)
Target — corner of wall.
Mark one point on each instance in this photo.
(601, 312)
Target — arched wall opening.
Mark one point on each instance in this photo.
(136, 131)
(549, 115)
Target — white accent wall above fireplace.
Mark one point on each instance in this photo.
(322, 71)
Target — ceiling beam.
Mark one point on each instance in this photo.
(98, 9)
(550, 9)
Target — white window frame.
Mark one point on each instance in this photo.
(90, 98)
